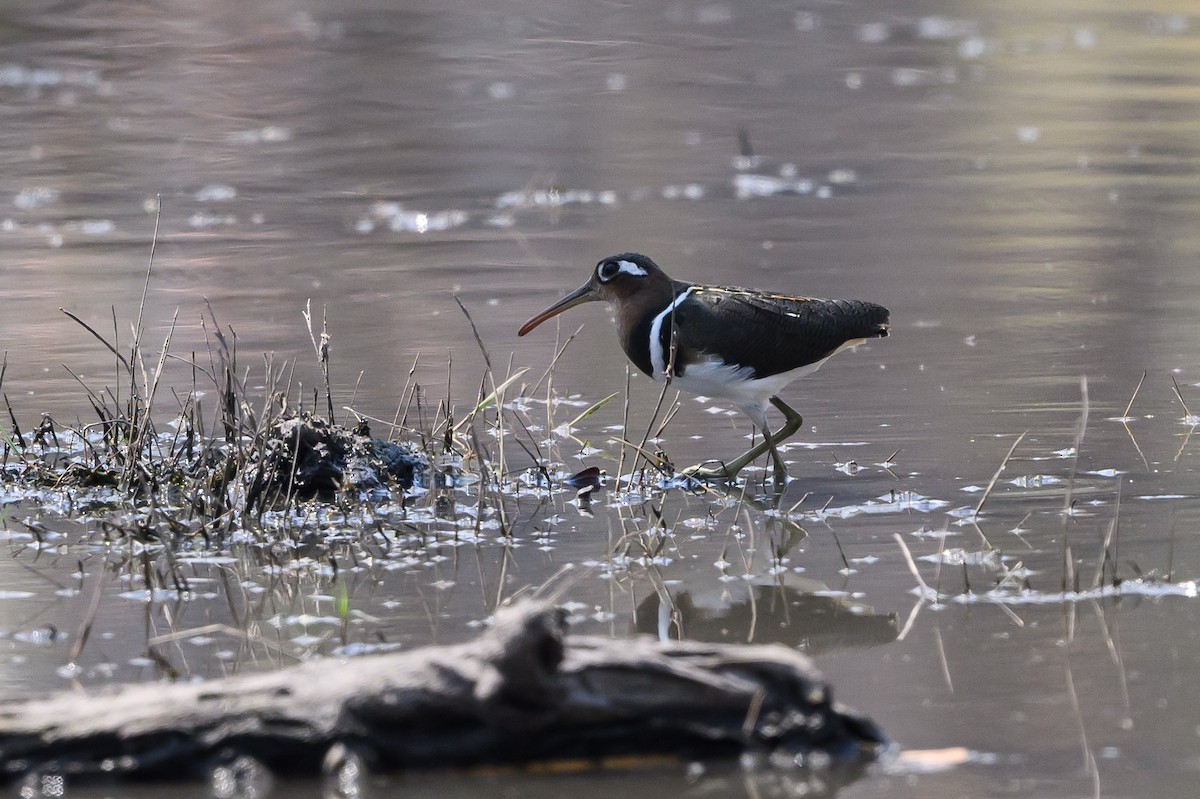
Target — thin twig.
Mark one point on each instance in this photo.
(992, 483)
(321, 349)
(85, 628)
(912, 565)
(1136, 389)
(1179, 396)
(553, 361)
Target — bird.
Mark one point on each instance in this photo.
(736, 344)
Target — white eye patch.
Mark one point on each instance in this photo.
(610, 269)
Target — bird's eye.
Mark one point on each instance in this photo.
(608, 270)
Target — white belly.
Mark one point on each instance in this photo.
(714, 378)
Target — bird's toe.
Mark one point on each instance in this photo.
(706, 471)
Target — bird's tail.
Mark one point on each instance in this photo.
(872, 320)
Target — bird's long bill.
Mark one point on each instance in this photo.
(577, 297)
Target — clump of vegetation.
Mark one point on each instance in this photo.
(190, 469)
(245, 461)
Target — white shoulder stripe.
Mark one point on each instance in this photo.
(657, 356)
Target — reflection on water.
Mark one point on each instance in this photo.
(1015, 181)
(804, 614)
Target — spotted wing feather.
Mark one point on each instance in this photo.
(771, 333)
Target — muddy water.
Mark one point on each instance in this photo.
(1017, 182)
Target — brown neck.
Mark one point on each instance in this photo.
(636, 313)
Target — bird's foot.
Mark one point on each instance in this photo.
(727, 473)
(718, 473)
(781, 481)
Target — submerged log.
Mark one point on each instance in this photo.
(522, 692)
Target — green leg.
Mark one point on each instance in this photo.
(776, 460)
(730, 470)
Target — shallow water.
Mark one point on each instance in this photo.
(1016, 182)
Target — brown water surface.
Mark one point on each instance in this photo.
(1018, 182)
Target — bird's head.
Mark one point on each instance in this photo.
(615, 279)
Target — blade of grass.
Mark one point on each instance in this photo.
(99, 338)
(487, 401)
(594, 407)
(475, 331)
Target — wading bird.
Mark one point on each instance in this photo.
(735, 344)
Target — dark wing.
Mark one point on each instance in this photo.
(772, 333)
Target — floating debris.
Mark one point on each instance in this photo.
(267, 134)
(396, 218)
(36, 196)
(1187, 589)
(748, 185)
(215, 192)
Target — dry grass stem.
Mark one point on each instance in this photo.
(992, 483)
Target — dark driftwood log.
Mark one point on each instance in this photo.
(523, 691)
